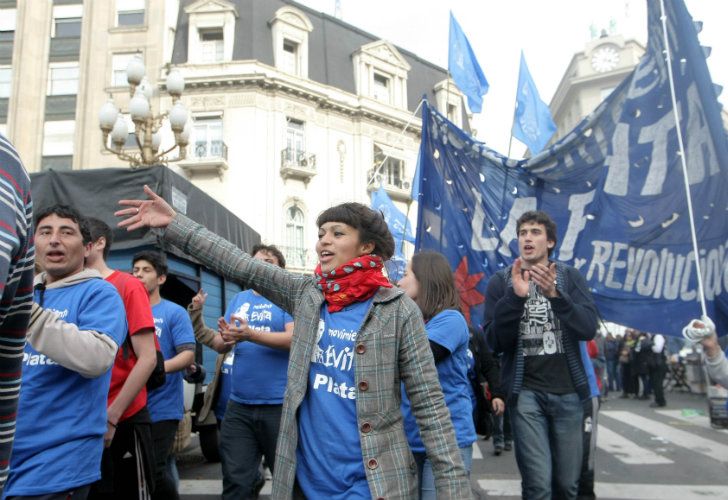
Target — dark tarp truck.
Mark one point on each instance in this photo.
(96, 192)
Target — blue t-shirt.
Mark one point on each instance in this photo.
(589, 369)
(174, 330)
(472, 378)
(448, 329)
(61, 414)
(329, 455)
(259, 371)
(224, 382)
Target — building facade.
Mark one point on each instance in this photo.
(292, 110)
(590, 77)
(60, 60)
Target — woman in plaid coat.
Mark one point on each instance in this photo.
(356, 339)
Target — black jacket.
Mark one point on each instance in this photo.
(574, 307)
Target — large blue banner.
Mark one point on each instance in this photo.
(614, 185)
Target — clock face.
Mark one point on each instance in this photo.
(604, 59)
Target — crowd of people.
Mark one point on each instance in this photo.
(344, 384)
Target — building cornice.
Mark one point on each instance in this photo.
(245, 75)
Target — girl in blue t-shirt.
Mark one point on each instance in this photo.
(428, 280)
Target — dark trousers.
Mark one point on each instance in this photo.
(127, 466)
(163, 433)
(589, 435)
(502, 429)
(248, 432)
(646, 388)
(627, 379)
(657, 378)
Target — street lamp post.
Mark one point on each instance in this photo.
(146, 125)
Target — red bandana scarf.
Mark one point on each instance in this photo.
(356, 281)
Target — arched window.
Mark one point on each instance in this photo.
(296, 254)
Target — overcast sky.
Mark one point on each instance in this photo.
(549, 33)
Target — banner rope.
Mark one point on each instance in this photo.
(668, 57)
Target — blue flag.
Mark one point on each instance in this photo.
(400, 228)
(613, 185)
(532, 123)
(464, 68)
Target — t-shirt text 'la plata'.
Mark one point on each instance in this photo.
(259, 372)
(329, 452)
(61, 414)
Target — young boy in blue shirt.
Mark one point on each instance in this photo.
(177, 342)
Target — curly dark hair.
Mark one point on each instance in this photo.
(371, 225)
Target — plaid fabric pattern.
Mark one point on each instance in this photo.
(392, 348)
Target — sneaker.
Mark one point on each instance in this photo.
(508, 446)
(498, 450)
(258, 486)
(655, 404)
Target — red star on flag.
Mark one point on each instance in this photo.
(466, 283)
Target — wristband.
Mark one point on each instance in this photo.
(112, 424)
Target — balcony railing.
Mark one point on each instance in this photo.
(211, 149)
(205, 158)
(396, 188)
(297, 164)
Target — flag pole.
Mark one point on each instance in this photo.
(696, 250)
(510, 144)
(406, 126)
(404, 230)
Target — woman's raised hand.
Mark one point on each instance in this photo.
(198, 301)
(154, 212)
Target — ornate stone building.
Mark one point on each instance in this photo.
(590, 77)
(293, 110)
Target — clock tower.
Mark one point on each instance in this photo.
(591, 76)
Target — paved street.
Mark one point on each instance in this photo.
(668, 453)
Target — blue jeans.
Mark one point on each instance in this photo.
(427, 477)
(615, 380)
(502, 429)
(548, 438)
(248, 432)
